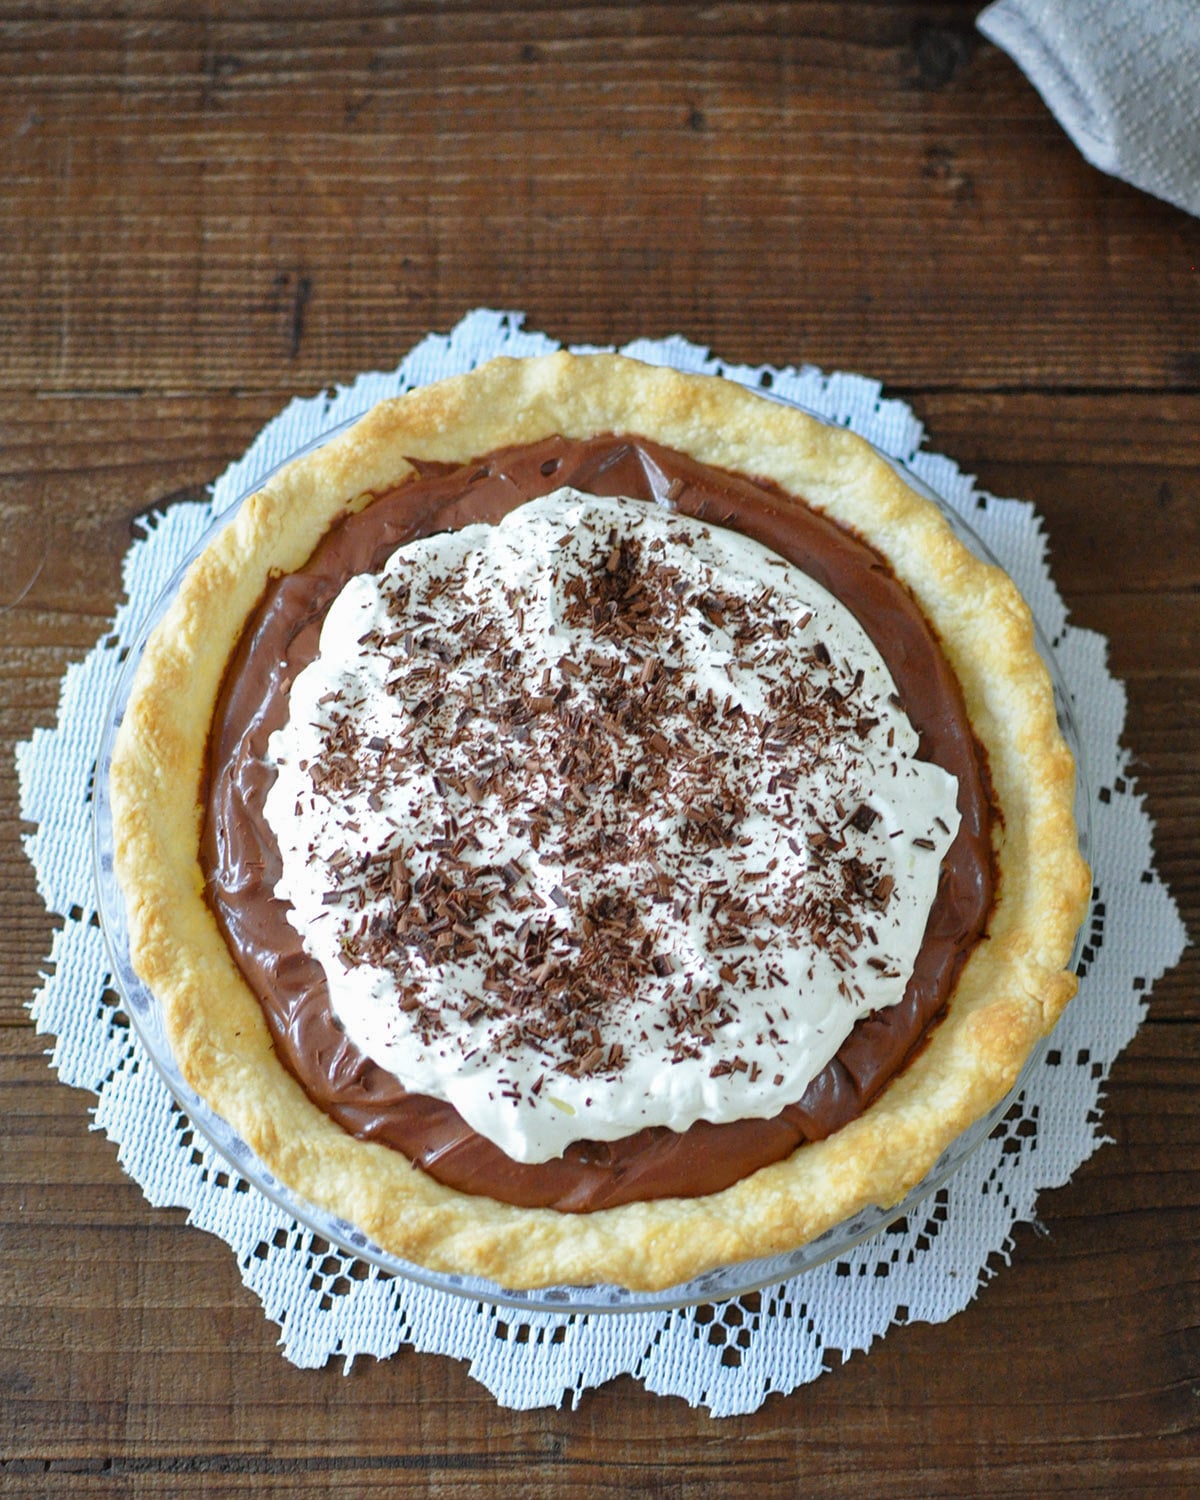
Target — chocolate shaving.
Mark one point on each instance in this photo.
(863, 818)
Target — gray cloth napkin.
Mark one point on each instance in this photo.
(1123, 78)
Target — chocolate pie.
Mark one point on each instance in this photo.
(588, 823)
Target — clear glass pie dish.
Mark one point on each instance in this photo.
(728, 1281)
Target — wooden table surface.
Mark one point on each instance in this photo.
(207, 210)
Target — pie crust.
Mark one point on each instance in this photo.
(1009, 995)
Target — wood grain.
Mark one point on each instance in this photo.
(210, 210)
(811, 176)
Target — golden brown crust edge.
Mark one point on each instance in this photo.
(1010, 993)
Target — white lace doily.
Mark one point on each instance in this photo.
(726, 1357)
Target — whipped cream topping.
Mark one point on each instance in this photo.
(602, 818)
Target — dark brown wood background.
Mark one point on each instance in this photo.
(205, 210)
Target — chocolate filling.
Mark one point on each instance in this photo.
(241, 862)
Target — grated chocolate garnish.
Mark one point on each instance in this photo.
(616, 772)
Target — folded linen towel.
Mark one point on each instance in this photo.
(1123, 78)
